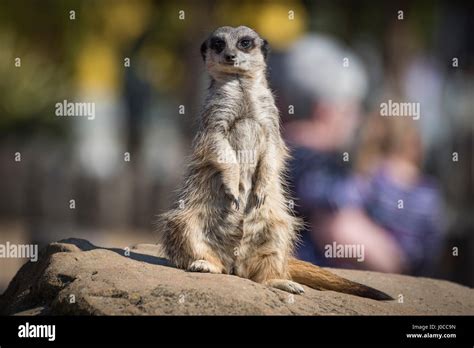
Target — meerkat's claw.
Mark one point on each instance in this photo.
(236, 203)
(259, 200)
(234, 199)
(286, 285)
(295, 288)
(203, 266)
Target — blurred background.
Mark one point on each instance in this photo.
(401, 187)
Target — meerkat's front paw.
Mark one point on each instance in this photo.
(234, 199)
(236, 203)
(259, 201)
(203, 266)
(286, 285)
(259, 198)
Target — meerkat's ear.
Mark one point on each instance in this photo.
(203, 50)
(265, 47)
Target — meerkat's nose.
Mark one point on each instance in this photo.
(230, 57)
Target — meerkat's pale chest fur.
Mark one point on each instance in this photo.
(233, 214)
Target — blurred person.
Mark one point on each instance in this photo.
(395, 193)
(327, 84)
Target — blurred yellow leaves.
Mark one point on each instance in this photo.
(125, 20)
(117, 25)
(100, 60)
(281, 23)
(97, 65)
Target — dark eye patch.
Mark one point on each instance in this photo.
(246, 43)
(217, 44)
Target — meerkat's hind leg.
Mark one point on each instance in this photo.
(285, 285)
(203, 266)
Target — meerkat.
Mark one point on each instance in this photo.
(233, 215)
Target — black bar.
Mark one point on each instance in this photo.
(258, 330)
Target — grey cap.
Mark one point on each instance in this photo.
(320, 68)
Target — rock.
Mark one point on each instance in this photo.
(75, 277)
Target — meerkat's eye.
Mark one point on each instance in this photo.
(217, 44)
(245, 43)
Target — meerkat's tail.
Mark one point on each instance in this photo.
(320, 279)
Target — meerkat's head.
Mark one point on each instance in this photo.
(234, 51)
